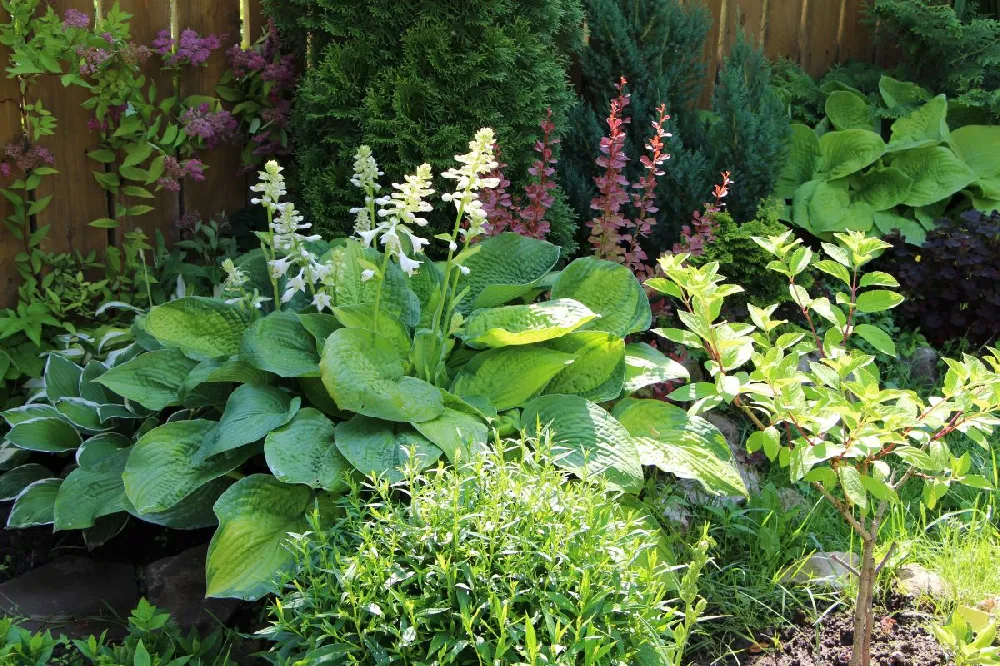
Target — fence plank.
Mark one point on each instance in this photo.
(751, 19)
(713, 43)
(855, 43)
(821, 23)
(223, 187)
(10, 130)
(783, 22)
(77, 198)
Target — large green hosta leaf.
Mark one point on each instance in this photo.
(19, 478)
(251, 413)
(279, 343)
(46, 434)
(363, 316)
(249, 549)
(804, 158)
(881, 188)
(586, 439)
(849, 151)
(383, 449)
(364, 373)
(598, 368)
(200, 327)
(35, 504)
(686, 446)
(191, 513)
(459, 431)
(828, 206)
(62, 378)
(645, 366)
(162, 468)
(505, 267)
(901, 93)
(609, 289)
(350, 289)
(936, 172)
(510, 376)
(153, 379)
(921, 127)
(91, 491)
(525, 324)
(978, 146)
(848, 110)
(303, 451)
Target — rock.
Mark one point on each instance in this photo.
(73, 595)
(822, 569)
(916, 581)
(990, 605)
(177, 584)
(694, 369)
(806, 359)
(791, 498)
(731, 430)
(924, 366)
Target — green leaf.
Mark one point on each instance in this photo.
(459, 431)
(29, 411)
(45, 434)
(250, 548)
(362, 315)
(608, 289)
(99, 447)
(251, 413)
(152, 379)
(141, 209)
(877, 338)
(191, 513)
(924, 126)
(62, 378)
(102, 155)
(104, 223)
(524, 324)
(598, 368)
(19, 478)
(879, 489)
(35, 504)
(279, 343)
(507, 266)
(383, 449)
(854, 489)
(84, 414)
(365, 373)
(511, 376)
(304, 451)
(646, 366)
(804, 157)
(878, 279)
(586, 439)
(348, 264)
(847, 110)
(200, 327)
(162, 468)
(881, 188)
(828, 208)
(849, 151)
(878, 300)
(686, 446)
(936, 173)
(978, 146)
(901, 93)
(767, 440)
(137, 154)
(92, 491)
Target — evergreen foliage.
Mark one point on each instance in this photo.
(414, 79)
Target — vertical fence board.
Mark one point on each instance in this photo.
(222, 189)
(783, 21)
(751, 19)
(856, 43)
(77, 198)
(10, 130)
(255, 20)
(712, 43)
(821, 24)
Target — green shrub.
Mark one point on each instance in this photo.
(416, 79)
(503, 560)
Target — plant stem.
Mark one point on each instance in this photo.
(378, 292)
(272, 256)
(448, 265)
(864, 612)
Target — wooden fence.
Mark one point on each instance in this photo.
(816, 33)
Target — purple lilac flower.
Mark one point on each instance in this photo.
(29, 159)
(244, 61)
(4, 169)
(282, 73)
(74, 18)
(190, 49)
(211, 127)
(163, 45)
(93, 58)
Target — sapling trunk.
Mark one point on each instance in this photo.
(864, 612)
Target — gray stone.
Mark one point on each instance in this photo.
(806, 359)
(72, 595)
(791, 498)
(731, 430)
(916, 581)
(990, 605)
(924, 365)
(822, 569)
(694, 369)
(177, 584)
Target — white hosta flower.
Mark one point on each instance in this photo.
(322, 301)
(271, 186)
(399, 212)
(293, 286)
(464, 269)
(408, 265)
(279, 267)
(469, 180)
(366, 171)
(367, 274)
(235, 278)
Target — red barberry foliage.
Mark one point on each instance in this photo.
(701, 231)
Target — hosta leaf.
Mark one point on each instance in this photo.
(99, 447)
(91, 390)
(200, 327)
(364, 373)
(506, 266)
(46, 434)
(524, 324)
(350, 289)
(849, 151)
(81, 413)
(881, 188)
(320, 325)
(303, 451)
(153, 379)
(586, 439)
(978, 146)
(279, 343)
(608, 289)
(912, 231)
(233, 370)
(847, 110)
(91, 492)
(645, 366)
(363, 316)
(28, 412)
(19, 478)
(598, 368)
(921, 127)
(162, 470)
(686, 446)
(383, 449)
(251, 412)
(804, 158)
(901, 93)
(62, 378)
(191, 513)
(828, 207)
(459, 431)
(511, 376)
(936, 173)
(35, 504)
(249, 549)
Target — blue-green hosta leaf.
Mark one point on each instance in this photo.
(314, 394)
(881, 188)
(153, 379)
(609, 289)
(191, 513)
(46, 434)
(250, 549)
(586, 439)
(383, 449)
(82, 413)
(505, 267)
(350, 289)
(459, 431)
(686, 446)
(320, 325)
(19, 478)
(62, 378)
(510, 376)
(849, 151)
(28, 412)
(364, 373)
(251, 413)
(525, 324)
(848, 110)
(804, 160)
(91, 390)
(598, 369)
(105, 529)
(936, 173)
(646, 366)
(200, 327)
(99, 447)
(363, 316)
(279, 343)
(925, 126)
(978, 146)
(91, 492)
(35, 504)
(11, 456)
(303, 451)
(215, 371)
(162, 470)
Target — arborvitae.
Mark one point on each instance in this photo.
(414, 80)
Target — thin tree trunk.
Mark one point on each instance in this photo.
(864, 612)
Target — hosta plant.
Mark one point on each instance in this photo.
(847, 175)
(327, 359)
(819, 403)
